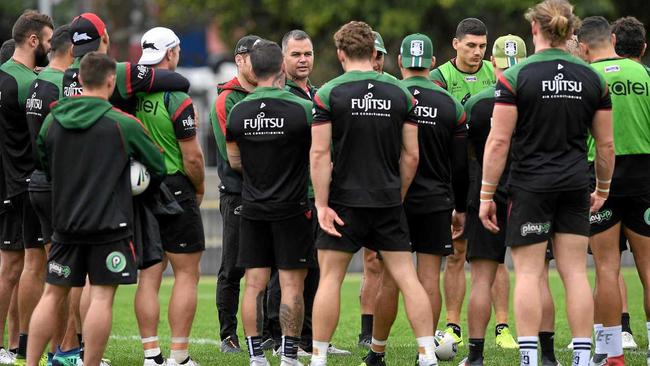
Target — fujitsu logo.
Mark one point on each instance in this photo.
(262, 122)
(368, 103)
(34, 103)
(72, 90)
(558, 84)
(427, 112)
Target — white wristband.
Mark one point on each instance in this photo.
(485, 201)
(602, 190)
(486, 183)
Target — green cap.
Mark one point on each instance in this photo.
(379, 43)
(508, 51)
(416, 51)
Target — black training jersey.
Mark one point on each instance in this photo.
(46, 89)
(479, 122)
(442, 138)
(272, 129)
(367, 111)
(17, 158)
(129, 80)
(556, 96)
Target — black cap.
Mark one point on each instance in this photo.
(86, 31)
(246, 43)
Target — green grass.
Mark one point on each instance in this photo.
(124, 348)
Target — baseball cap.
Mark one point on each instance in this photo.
(155, 43)
(246, 43)
(86, 31)
(416, 51)
(379, 43)
(508, 51)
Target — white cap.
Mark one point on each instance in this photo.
(155, 43)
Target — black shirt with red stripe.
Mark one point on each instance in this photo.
(556, 96)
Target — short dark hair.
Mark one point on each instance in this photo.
(594, 31)
(95, 67)
(471, 26)
(356, 40)
(630, 36)
(296, 34)
(30, 22)
(61, 39)
(7, 50)
(266, 59)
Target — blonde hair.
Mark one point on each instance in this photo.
(555, 19)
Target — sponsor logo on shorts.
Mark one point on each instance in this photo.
(116, 262)
(646, 216)
(537, 228)
(600, 217)
(59, 269)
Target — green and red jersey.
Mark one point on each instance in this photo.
(463, 85)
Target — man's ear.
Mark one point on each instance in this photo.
(433, 62)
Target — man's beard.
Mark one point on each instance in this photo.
(40, 56)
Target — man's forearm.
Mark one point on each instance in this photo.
(408, 165)
(196, 173)
(494, 161)
(321, 174)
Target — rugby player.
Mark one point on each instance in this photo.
(463, 76)
(46, 89)
(173, 124)
(86, 242)
(22, 238)
(359, 198)
(442, 139)
(230, 275)
(268, 139)
(555, 98)
(629, 198)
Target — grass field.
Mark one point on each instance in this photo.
(124, 347)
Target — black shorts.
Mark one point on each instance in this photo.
(40, 196)
(534, 217)
(11, 228)
(632, 212)
(373, 228)
(30, 223)
(284, 244)
(481, 243)
(431, 232)
(182, 233)
(104, 264)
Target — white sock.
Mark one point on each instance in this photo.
(428, 345)
(319, 353)
(376, 344)
(613, 340)
(647, 325)
(581, 351)
(528, 350)
(179, 355)
(151, 352)
(598, 339)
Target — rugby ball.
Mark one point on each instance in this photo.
(140, 177)
(446, 348)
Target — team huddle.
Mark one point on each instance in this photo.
(544, 154)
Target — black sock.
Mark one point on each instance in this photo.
(186, 361)
(625, 322)
(455, 327)
(546, 343)
(366, 324)
(374, 356)
(290, 347)
(158, 358)
(475, 349)
(22, 345)
(499, 328)
(254, 346)
(13, 350)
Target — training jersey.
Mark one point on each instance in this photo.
(46, 89)
(479, 122)
(556, 96)
(17, 157)
(170, 118)
(308, 94)
(129, 80)
(271, 127)
(460, 84)
(367, 111)
(228, 94)
(442, 139)
(629, 87)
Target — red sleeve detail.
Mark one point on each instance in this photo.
(319, 102)
(222, 114)
(440, 84)
(53, 103)
(505, 82)
(181, 108)
(153, 76)
(129, 88)
(414, 101)
(463, 118)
